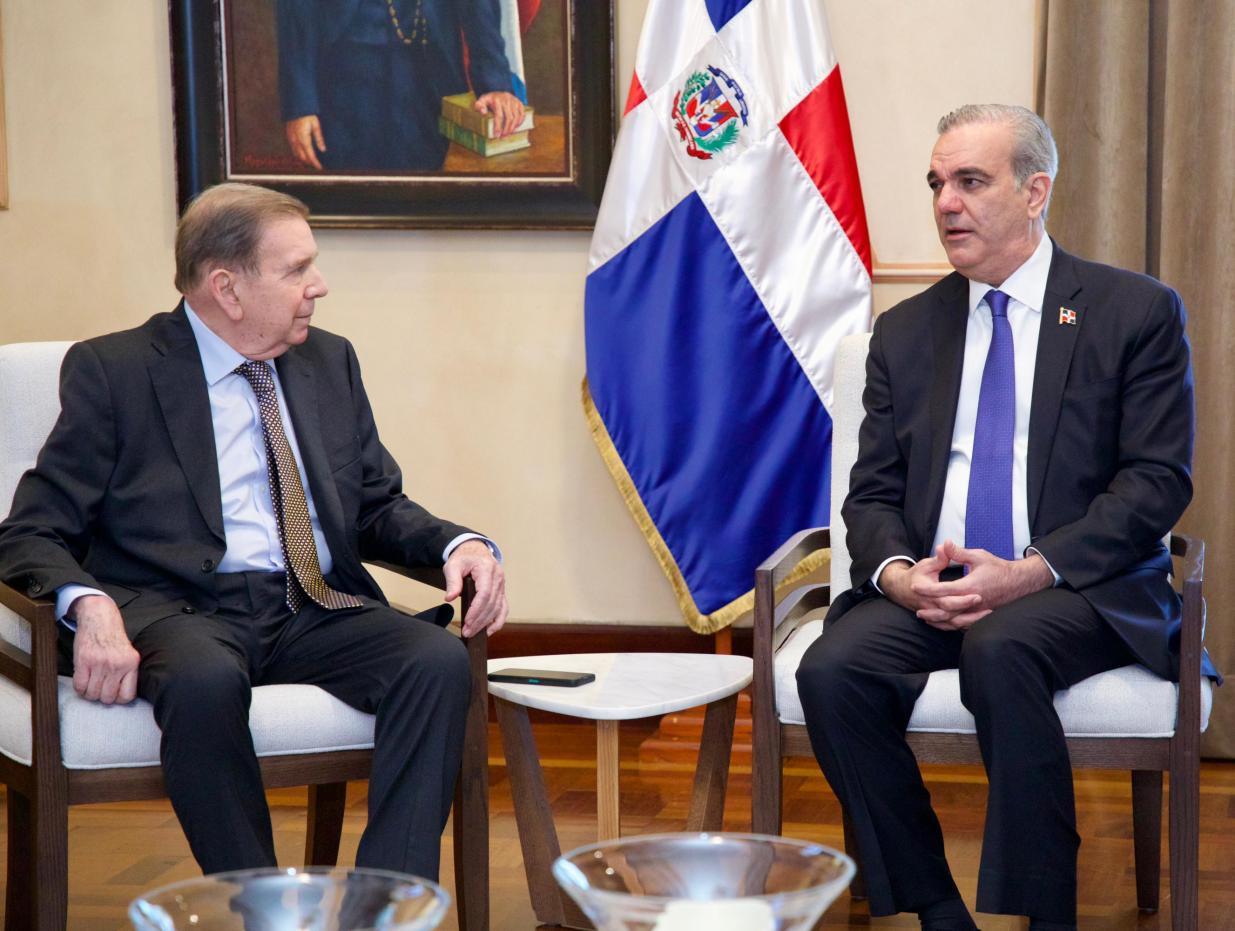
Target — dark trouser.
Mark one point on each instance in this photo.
(859, 682)
(198, 673)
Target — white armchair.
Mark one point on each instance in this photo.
(1126, 718)
(57, 749)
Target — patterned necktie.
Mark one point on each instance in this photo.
(988, 509)
(304, 572)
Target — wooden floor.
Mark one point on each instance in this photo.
(116, 851)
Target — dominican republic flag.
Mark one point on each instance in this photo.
(729, 258)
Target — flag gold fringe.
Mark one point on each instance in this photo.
(698, 622)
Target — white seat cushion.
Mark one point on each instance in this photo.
(284, 719)
(1126, 702)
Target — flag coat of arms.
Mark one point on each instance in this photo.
(729, 258)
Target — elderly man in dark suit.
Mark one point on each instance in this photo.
(361, 82)
(1026, 445)
(201, 509)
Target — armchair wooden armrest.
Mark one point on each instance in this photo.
(777, 566)
(772, 626)
(15, 663)
(35, 672)
(1185, 747)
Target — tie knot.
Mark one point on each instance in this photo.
(257, 374)
(998, 303)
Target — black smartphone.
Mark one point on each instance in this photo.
(542, 677)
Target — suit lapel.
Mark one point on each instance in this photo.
(948, 339)
(300, 389)
(1056, 341)
(180, 387)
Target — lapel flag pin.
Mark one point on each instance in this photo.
(1067, 316)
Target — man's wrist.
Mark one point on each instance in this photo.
(91, 607)
(66, 597)
(1034, 551)
(467, 538)
(1036, 572)
(877, 578)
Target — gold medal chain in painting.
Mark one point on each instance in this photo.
(419, 29)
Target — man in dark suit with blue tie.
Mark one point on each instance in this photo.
(1027, 443)
(201, 510)
(361, 82)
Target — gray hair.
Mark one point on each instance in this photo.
(1033, 146)
(224, 224)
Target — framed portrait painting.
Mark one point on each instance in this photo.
(495, 114)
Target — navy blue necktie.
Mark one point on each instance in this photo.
(988, 509)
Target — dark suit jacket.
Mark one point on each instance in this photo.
(125, 494)
(1111, 427)
(308, 28)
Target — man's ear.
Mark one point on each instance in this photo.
(222, 285)
(1039, 186)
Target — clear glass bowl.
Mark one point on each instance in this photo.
(310, 899)
(704, 882)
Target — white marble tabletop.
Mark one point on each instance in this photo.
(628, 685)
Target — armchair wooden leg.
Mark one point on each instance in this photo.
(18, 904)
(325, 823)
(471, 814)
(857, 888)
(766, 774)
(37, 896)
(707, 803)
(1184, 801)
(1147, 836)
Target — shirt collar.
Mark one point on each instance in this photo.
(218, 359)
(1026, 285)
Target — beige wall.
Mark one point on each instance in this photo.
(472, 342)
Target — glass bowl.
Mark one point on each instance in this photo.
(693, 882)
(308, 899)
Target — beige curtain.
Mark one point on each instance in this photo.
(1141, 97)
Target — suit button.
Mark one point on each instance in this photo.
(207, 565)
(35, 588)
(188, 609)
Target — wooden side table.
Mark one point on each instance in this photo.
(627, 686)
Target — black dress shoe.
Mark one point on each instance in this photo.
(948, 915)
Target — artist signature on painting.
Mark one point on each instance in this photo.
(266, 163)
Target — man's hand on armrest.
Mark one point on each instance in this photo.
(990, 583)
(104, 661)
(488, 611)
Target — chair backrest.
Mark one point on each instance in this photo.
(29, 406)
(849, 379)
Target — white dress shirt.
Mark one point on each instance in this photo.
(250, 526)
(1026, 290)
